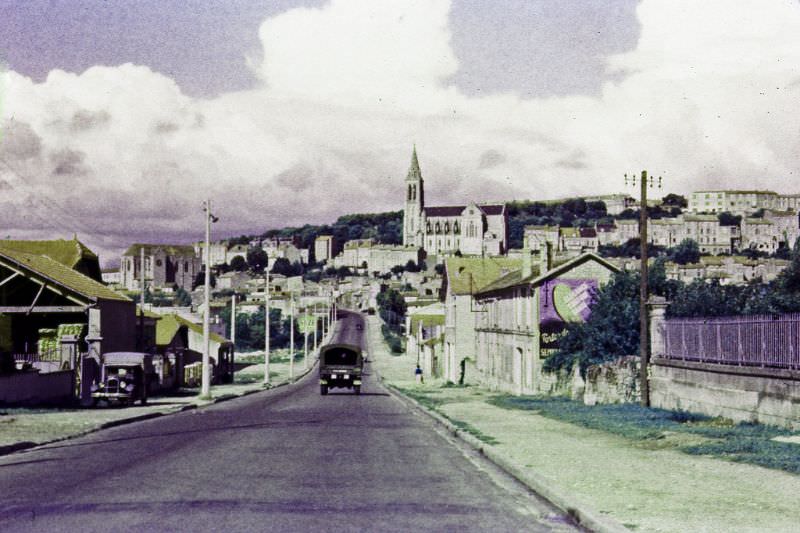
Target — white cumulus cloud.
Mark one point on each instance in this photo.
(707, 97)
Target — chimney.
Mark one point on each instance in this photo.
(545, 257)
(527, 267)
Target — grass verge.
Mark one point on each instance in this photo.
(659, 428)
(423, 397)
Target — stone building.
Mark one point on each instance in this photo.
(474, 229)
(523, 315)
(323, 248)
(463, 278)
(165, 265)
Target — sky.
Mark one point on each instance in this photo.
(118, 118)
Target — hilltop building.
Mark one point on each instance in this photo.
(165, 265)
(474, 229)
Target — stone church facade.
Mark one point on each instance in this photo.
(473, 229)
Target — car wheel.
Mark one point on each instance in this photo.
(323, 389)
(357, 389)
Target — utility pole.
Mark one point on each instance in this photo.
(205, 390)
(141, 298)
(233, 319)
(291, 335)
(644, 330)
(316, 324)
(266, 326)
(305, 346)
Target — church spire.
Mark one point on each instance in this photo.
(414, 172)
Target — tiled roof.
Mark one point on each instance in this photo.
(509, 280)
(68, 253)
(61, 275)
(168, 326)
(492, 209)
(515, 278)
(467, 275)
(444, 211)
(169, 249)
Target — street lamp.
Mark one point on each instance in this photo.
(644, 338)
(266, 325)
(205, 390)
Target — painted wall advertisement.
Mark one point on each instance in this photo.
(562, 301)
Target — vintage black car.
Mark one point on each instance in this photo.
(123, 378)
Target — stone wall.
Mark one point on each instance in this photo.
(741, 394)
(613, 382)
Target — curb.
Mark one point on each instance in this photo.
(583, 515)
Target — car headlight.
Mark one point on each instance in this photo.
(121, 384)
(94, 387)
(130, 387)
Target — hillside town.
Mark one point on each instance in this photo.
(432, 265)
(469, 300)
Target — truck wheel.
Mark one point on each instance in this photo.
(144, 400)
(323, 389)
(357, 389)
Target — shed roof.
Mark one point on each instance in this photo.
(61, 275)
(467, 275)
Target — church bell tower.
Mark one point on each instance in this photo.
(415, 203)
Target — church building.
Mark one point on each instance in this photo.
(473, 229)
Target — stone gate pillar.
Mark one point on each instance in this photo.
(657, 309)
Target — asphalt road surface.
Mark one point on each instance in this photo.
(281, 460)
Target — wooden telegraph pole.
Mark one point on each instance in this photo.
(644, 329)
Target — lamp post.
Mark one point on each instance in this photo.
(266, 324)
(205, 390)
(644, 337)
(291, 335)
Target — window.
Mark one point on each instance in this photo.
(186, 266)
(158, 262)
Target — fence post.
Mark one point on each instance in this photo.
(657, 307)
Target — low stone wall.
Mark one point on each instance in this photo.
(767, 396)
(560, 384)
(613, 382)
(33, 388)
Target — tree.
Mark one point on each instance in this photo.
(257, 259)
(411, 266)
(238, 263)
(727, 219)
(284, 267)
(674, 200)
(611, 331)
(685, 253)
(182, 298)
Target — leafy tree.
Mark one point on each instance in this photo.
(257, 259)
(674, 200)
(411, 266)
(182, 298)
(284, 267)
(612, 329)
(728, 219)
(239, 264)
(688, 251)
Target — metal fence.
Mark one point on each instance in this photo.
(758, 340)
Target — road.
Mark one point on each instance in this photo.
(281, 460)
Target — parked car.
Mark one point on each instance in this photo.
(124, 378)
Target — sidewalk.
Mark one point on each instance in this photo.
(643, 489)
(22, 428)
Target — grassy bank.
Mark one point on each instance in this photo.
(659, 428)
